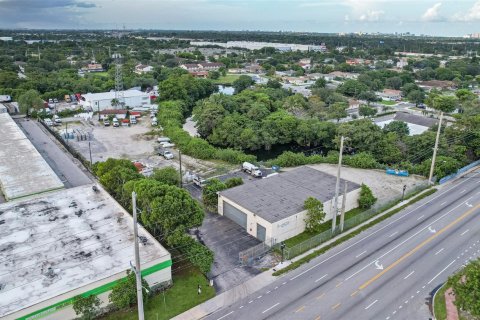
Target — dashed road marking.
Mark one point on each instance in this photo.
(420, 217)
(393, 234)
(354, 293)
(371, 304)
(266, 310)
(336, 306)
(439, 251)
(441, 271)
(250, 301)
(268, 292)
(240, 307)
(338, 284)
(300, 309)
(259, 297)
(358, 255)
(321, 277)
(226, 315)
(443, 203)
(321, 296)
(464, 232)
(463, 191)
(408, 275)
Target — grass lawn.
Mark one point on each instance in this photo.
(227, 80)
(301, 237)
(179, 298)
(100, 74)
(440, 308)
(388, 102)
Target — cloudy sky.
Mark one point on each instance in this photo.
(444, 18)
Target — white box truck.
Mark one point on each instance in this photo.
(252, 169)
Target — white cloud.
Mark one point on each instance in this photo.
(472, 15)
(432, 13)
(372, 15)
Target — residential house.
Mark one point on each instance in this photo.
(203, 66)
(436, 84)
(403, 62)
(390, 94)
(141, 69)
(343, 75)
(253, 68)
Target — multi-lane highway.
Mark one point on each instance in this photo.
(386, 272)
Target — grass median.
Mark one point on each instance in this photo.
(440, 311)
(318, 252)
(181, 297)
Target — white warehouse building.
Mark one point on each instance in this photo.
(71, 242)
(102, 101)
(271, 209)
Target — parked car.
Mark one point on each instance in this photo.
(57, 119)
(55, 100)
(50, 100)
(115, 122)
(165, 153)
(48, 122)
(106, 122)
(167, 144)
(163, 139)
(198, 181)
(154, 122)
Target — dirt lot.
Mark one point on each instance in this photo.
(133, 143)
(383, 186)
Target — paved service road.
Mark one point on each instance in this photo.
(386, 272)
(61, 163)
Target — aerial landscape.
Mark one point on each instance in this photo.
(244, 159)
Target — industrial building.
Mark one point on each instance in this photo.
(103, 100)
(271, 209)
(66, 243)
(23, 171)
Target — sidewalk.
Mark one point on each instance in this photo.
(262, 280)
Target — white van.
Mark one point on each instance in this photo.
(115, 122)
(57, 119)
(48, 122)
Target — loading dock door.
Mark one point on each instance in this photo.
(234, 214)
(261, 232)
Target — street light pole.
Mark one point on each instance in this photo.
(435, 149)
(137, 259)
(337, 187)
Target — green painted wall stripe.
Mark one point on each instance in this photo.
(104, 288)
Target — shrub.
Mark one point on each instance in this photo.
(366, 198)
(124, 293)
(233, 182)
(361, 160)
(86, 307)
(314, 216)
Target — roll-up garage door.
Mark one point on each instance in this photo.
(261, 232)
(234, 214)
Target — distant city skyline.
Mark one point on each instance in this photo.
(438, 18)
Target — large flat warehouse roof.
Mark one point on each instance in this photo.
(23, 171)
(283, 195)
(66, 243)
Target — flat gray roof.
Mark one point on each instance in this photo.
(415, 119)
(283, 195)
(23, 171)
(82, 235)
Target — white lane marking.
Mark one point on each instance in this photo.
(411, 297)
(443, 203)
(418, 291)
(395, 311)
(386, 226)
(259, 297)
(393, 234)
(406, 301)
(464, 232)
(275, 288)
(284, 283)
(226, 315)
(423, 287)
(387, 318)
(268, 292)
(441, 271)
(463, 191)
(371, 304)
(400, 307)
(240, 307)
(439, 251)
(401, 243)
(250, 301)
(420, 217)
(266, 310)
(408, 275)
(360, 254)
(321, 278)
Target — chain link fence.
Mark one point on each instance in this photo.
(250, 256)
(320, 238)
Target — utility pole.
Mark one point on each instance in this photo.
(337, 187)
(344, 203)
(180, 159)
(137, 259)
(90, 151)
(435, 149)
